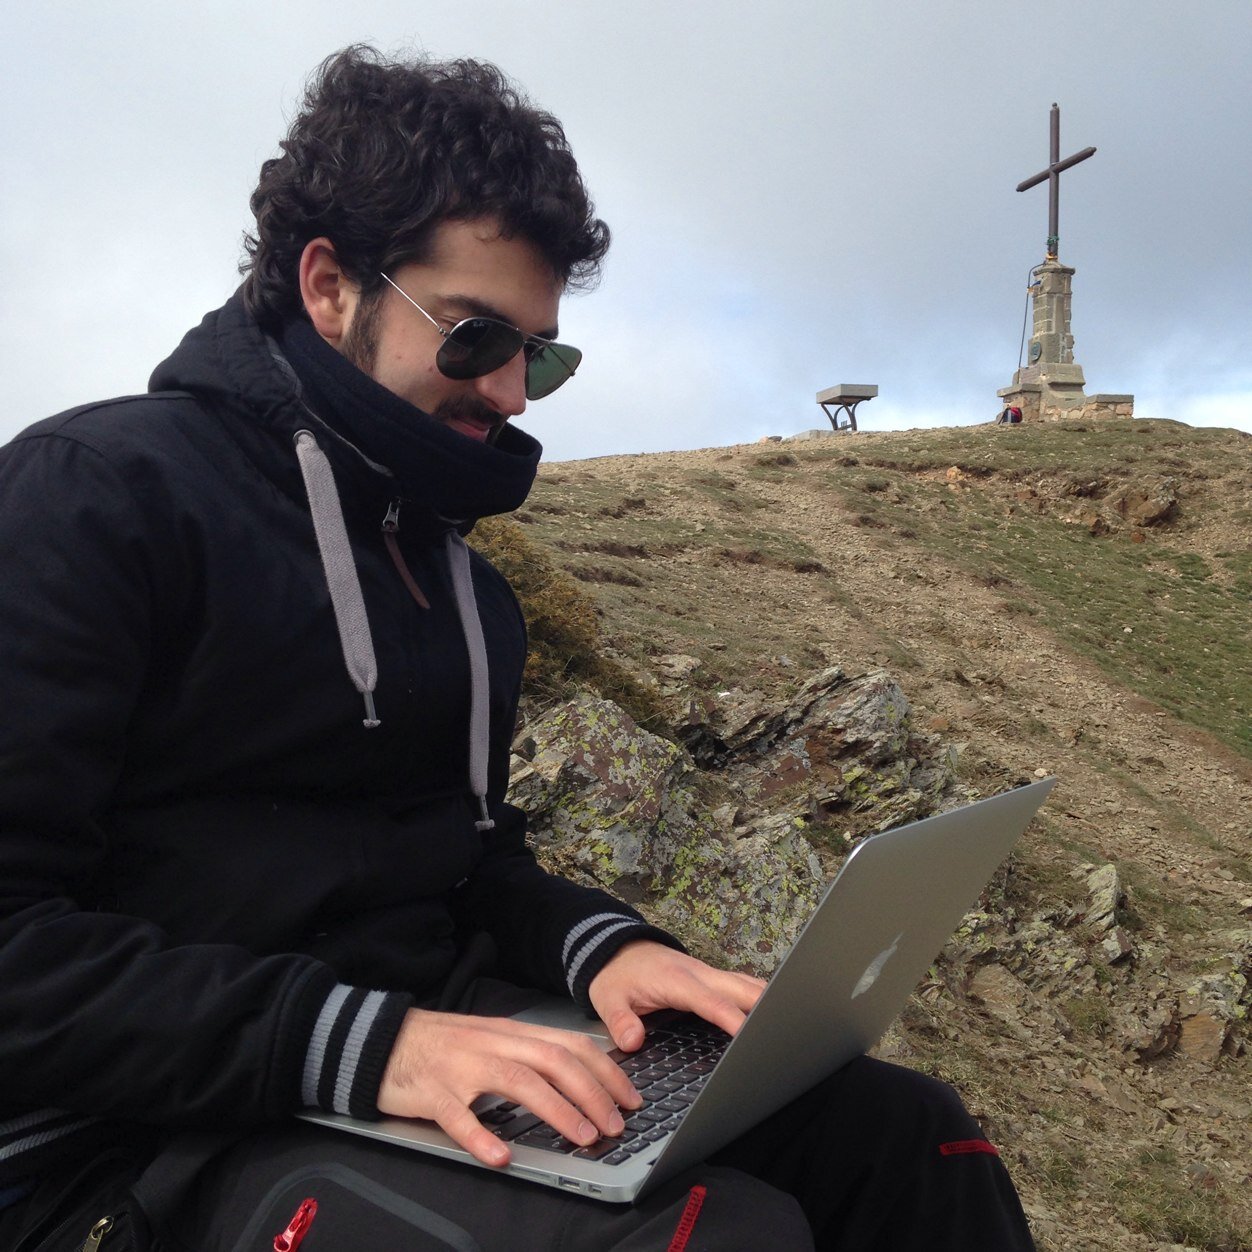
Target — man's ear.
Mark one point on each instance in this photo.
(330, 296)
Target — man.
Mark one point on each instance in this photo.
(259, 696)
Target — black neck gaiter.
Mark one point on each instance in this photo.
(455, 477)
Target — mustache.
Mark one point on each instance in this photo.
(466, 407)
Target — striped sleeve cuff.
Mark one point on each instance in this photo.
(349, 1048)
(593, 941)
(33, 1141)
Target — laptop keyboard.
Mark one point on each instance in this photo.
(669, 1071)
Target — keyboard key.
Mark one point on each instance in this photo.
(496, 1117)
(518, 1126)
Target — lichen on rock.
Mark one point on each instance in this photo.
(629, 810)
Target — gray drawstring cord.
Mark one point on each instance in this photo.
(472, 629)
(353, 623)
(340, 569)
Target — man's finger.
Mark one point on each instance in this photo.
(457, 1120)
(725, 1000)
(625, 1026)
(571, 1101)
(603, 1069)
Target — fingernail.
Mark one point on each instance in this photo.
(616, 1123)
(587, 1133)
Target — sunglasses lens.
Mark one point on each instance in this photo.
(481, 345)
(549, 368)
(477, 346)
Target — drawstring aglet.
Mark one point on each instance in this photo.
(371, 716)
(486, 823)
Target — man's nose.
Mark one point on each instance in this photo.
(505, 389)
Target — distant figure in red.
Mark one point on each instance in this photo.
(1010, 416)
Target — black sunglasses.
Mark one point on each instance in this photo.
(481, 345)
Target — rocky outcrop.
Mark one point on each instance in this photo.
(728, 836)
(617, 806)
(843, 752)
(1147, 504)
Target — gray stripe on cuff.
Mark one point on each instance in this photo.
(315, 1057)
(591, 946)
(29, 1119)
(45, 1136)
(583, 927)
(352, 1046)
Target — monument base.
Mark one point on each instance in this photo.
(1048, 398)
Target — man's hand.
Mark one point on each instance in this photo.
(645, 976)
(442, 1062)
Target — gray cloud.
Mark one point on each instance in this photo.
(801, 194)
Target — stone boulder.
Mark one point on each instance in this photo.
(843, 748)
(1214, 1005)
(1108, 900)
(1148, 504)
(614, 805)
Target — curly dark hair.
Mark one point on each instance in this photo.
(383, 150)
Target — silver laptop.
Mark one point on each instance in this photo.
(880, 924)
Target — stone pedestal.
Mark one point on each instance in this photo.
(1049, 387)
(1051, 340)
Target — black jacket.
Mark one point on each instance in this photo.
(219, 891)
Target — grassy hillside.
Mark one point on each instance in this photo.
(1030, 512)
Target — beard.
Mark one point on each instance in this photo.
(360, 344)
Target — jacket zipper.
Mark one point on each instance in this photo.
(391, 526)
(98, 1231)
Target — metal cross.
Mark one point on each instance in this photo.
(1053, 175)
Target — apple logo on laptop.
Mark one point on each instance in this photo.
(875, 967)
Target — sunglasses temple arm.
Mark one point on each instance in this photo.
(417, 306)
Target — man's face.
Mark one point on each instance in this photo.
(471, 271)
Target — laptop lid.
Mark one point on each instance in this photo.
(897, 898)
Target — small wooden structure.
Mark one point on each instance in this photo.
(844, 398)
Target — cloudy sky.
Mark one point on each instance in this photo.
(801, 193)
